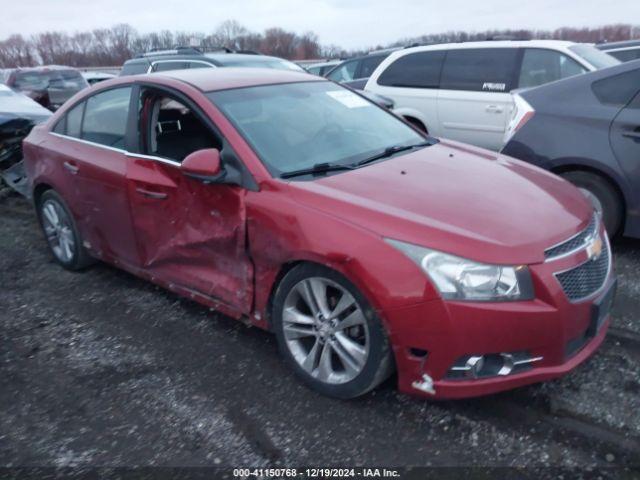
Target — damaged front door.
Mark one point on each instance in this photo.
(190, 233)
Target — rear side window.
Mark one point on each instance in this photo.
(369, 65)
(105, 117)
(541, 66)
(617, 90)
(416, 70)
(480, 69)
(626, 55)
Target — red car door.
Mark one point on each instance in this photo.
(94, 158)
(189, 233)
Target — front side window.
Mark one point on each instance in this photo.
(540, 66)
(170, 129)
(344, 73)
(416, 70)
(299, 125)
(105, 117)
(480, 69)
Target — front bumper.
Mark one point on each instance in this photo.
(429, 338)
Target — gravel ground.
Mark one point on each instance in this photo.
(102, 369)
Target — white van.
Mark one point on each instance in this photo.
(461, 90)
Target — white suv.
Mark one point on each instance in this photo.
(461, 90)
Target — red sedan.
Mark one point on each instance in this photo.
(364, 245)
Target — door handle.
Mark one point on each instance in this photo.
(494, 109)
(71, 168)
(635, 135)
(150, 194)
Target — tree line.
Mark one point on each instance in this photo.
(113, 46)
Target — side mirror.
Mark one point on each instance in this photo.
(204, 165)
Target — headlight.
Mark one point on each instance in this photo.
(461, 279)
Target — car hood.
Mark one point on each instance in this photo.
(458, 199)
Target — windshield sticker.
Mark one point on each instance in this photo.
(348, 99)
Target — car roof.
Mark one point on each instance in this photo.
(208, 80)
(492, 44)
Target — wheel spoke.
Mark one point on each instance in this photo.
(310, 361)
(325, 370)
(351, 320)
(319, 292)
(51, 214)
(293, 315)
(356, 351)
(65, 244)
(293, 332)
(347, 362)
(304, 289)
(345, 302)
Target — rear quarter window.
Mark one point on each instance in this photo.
(415, 70)
(617, 90)
(480, 69)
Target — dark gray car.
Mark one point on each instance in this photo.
(587, 129)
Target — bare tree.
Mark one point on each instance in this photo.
(113, 46)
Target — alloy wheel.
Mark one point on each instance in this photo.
(325, 330)
(58, 230)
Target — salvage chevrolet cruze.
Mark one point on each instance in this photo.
(366, 246)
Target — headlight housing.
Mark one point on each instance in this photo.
(460, 279)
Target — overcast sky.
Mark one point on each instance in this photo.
(348, 23)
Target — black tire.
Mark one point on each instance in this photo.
(379, 363)
(611, 205)
(417, 123)
(80, 257)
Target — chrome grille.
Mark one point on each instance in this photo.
(575, 243)
(586, 279)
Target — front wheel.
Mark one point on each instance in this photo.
(604, 198)
(329, 334)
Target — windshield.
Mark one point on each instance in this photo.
(43, 80)
(298, 125)
(595, 57)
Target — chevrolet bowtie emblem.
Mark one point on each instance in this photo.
(595, 249)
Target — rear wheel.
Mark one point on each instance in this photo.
(61, 232)
(329, 334)
(603, 196)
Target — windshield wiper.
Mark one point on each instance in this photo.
(318, 168)
(392, 150)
